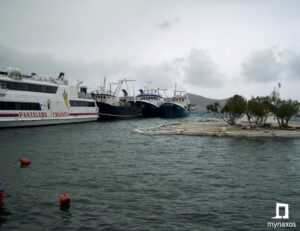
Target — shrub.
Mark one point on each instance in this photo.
(234, 109)
(258, 110)
(284, 110)
(213, 107)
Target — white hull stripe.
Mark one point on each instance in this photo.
(71, 114)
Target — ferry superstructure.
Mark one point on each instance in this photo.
(32, 100)
(149, 101)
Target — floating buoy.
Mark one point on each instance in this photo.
(2, 197)
(64, 200)
(24, 162)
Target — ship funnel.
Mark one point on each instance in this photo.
(125, 92)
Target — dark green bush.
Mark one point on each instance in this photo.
(284, 110)
(234, 109)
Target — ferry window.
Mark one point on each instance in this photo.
(3, 73)
(20, 106)
(79, 103)
(17, 86)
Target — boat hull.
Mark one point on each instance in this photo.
(148, 109)
(171, 110)
(111, 112)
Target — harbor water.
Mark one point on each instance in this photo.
(121, 180)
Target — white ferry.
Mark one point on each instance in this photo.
(32, 100)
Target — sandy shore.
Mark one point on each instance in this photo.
(219, 129)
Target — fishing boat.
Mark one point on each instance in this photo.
(176, 106)
(149, 102)
(112, 106)
(34, 100)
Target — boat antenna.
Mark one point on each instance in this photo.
(104, 83)
(134, 95)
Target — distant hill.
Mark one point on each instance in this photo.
(201, 102)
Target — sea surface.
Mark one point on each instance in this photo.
(120, 180)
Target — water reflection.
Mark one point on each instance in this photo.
(4, 214)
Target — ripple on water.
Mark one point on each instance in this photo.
(119, 180)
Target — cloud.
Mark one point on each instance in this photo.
(270, 65)
(167, 24)
(162, 75)
(197, 69)
(200, 70)
(45, 64)
(263, 66)
(291, 64)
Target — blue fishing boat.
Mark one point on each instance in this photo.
(176, 106)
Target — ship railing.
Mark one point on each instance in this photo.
(84, 96)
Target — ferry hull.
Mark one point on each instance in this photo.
(171, 110)
(148, 109)
(110, 112)
(13, 123)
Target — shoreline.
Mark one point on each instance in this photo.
(219, 128)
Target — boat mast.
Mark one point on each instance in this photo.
(104, 84)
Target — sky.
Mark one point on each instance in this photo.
(212, 48)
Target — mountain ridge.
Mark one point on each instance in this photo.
(200, 102)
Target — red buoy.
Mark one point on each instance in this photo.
(2, 197)
(64, 200)
(24, 162)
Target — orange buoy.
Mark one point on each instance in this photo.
(64, 200)
(2, 197)
(24, 162)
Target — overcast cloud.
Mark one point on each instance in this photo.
(167, 24)
(263, 66)
(200, 70)
(213, 48)
(272, 65)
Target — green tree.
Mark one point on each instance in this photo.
(258, 110)
(234, 109)
(284, 110)
(213, 107)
